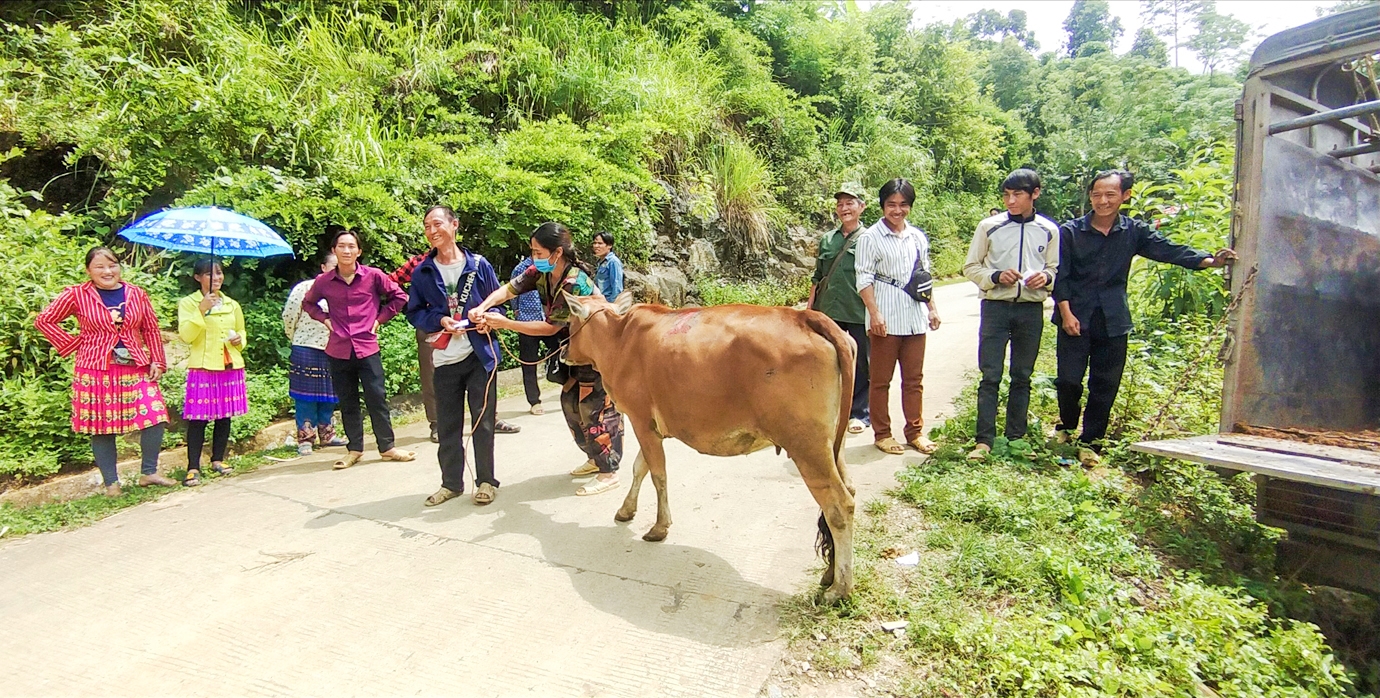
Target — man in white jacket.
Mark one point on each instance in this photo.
(1013, 260)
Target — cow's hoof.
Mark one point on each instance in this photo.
(828, 579)
(623, 516)
(834, 595)
(658, 533)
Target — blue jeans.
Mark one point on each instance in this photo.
(314, 413)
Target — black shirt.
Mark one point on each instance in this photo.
(1093, 267)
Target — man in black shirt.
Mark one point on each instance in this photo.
(1091, 306)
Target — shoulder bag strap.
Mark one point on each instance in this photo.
(847, 245)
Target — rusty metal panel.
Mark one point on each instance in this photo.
(1309, 340)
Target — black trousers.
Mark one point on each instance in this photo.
(1019, 325)
(457, 384)
(196, 439)
(530, 349)
(1103, 359)
(858, 332)
(347, 377)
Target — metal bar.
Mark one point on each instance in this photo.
(1363, 149)
(1354, 110)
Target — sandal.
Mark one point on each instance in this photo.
(485, 494)
(890, 445)
(399, 456)
(220, 469)
(924, 445)
(589, 468)
(350, 459)
(192, 479)
(502, 427)
(596, 486)
(442, 495)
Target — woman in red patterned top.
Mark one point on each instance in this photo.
(119, 361)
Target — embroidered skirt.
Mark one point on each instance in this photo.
(309, 375)
(118, 400)
(213, 395)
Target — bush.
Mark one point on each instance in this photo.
(725, 292)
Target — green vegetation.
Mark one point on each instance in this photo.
(87, 510)
(754, 293)
(1145, 577)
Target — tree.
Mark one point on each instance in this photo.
(1171, 18)
(1150, 47)
(1344, 5)
(1091, 20)
(1219, 38)
(990, 24)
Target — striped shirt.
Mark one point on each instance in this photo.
(881, 251)
(97, 333)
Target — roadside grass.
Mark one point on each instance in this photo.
(75, 513)
(1140, 577)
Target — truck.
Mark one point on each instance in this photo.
(1301, 386)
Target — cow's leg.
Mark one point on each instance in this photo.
(655, 455)
(826, 482)
(629, 508)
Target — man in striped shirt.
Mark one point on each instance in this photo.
(889, 254)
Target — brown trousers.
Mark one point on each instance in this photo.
(885, 352)
(428, 371)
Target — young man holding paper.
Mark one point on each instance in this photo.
(1013, 259)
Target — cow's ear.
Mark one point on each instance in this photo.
(580, 310)
(623, 302)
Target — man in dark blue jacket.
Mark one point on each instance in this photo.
(445, 286)
(1092, 311)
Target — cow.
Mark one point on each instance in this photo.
(727, 381)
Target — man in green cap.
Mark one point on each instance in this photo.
(834, 290)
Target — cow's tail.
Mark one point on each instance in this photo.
(846, 350)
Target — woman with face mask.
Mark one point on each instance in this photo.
(590, 414)
(213, 325)
(119, 361)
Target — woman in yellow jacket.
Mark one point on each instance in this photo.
(213, 324)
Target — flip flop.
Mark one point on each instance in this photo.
(192, 480)
(924, 445)
(351, 457)
(585, 470)
(596, 486)
(442, 495)
(890, 445)
(485, 494)
(222, 470)
(399, 456)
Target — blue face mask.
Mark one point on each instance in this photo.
(543, 265)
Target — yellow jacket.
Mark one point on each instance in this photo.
(208, 334)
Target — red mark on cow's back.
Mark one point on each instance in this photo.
(685, 321)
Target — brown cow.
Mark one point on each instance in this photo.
(727, 381)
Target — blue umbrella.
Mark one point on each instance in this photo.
(207, 230)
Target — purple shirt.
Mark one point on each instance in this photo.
(355, 307)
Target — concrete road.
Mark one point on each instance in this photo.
(298, 580)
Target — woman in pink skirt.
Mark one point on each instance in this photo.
(119, 360)
(213, 324)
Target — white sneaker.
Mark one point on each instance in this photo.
(856, 426)
(304, 448)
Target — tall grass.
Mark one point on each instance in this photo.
(742, 186)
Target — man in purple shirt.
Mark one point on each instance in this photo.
(360, 299)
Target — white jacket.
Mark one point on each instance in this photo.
(302, 329)
(1001, 243)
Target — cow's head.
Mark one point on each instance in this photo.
(586, 320)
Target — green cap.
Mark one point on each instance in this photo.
(852, 189)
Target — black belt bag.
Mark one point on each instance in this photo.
(920, 286)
